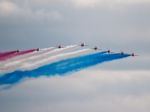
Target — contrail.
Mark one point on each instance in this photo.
(61, 67)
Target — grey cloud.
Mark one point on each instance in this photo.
(35, 23)
(117, 26)
(84, 91)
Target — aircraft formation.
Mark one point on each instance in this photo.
(96, 48)
(10, 54)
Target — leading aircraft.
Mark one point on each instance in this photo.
(133, 54)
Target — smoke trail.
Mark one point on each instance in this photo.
(7, 53)
(36, 63)
(38, 54)
(5, 56)
(61, 67)
(34, 58)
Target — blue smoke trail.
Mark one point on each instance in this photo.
(61, 67)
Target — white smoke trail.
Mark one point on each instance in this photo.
(43, 53)
(36, 56)
(47, 60)
(29, 65)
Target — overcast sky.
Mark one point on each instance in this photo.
(119, 25)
